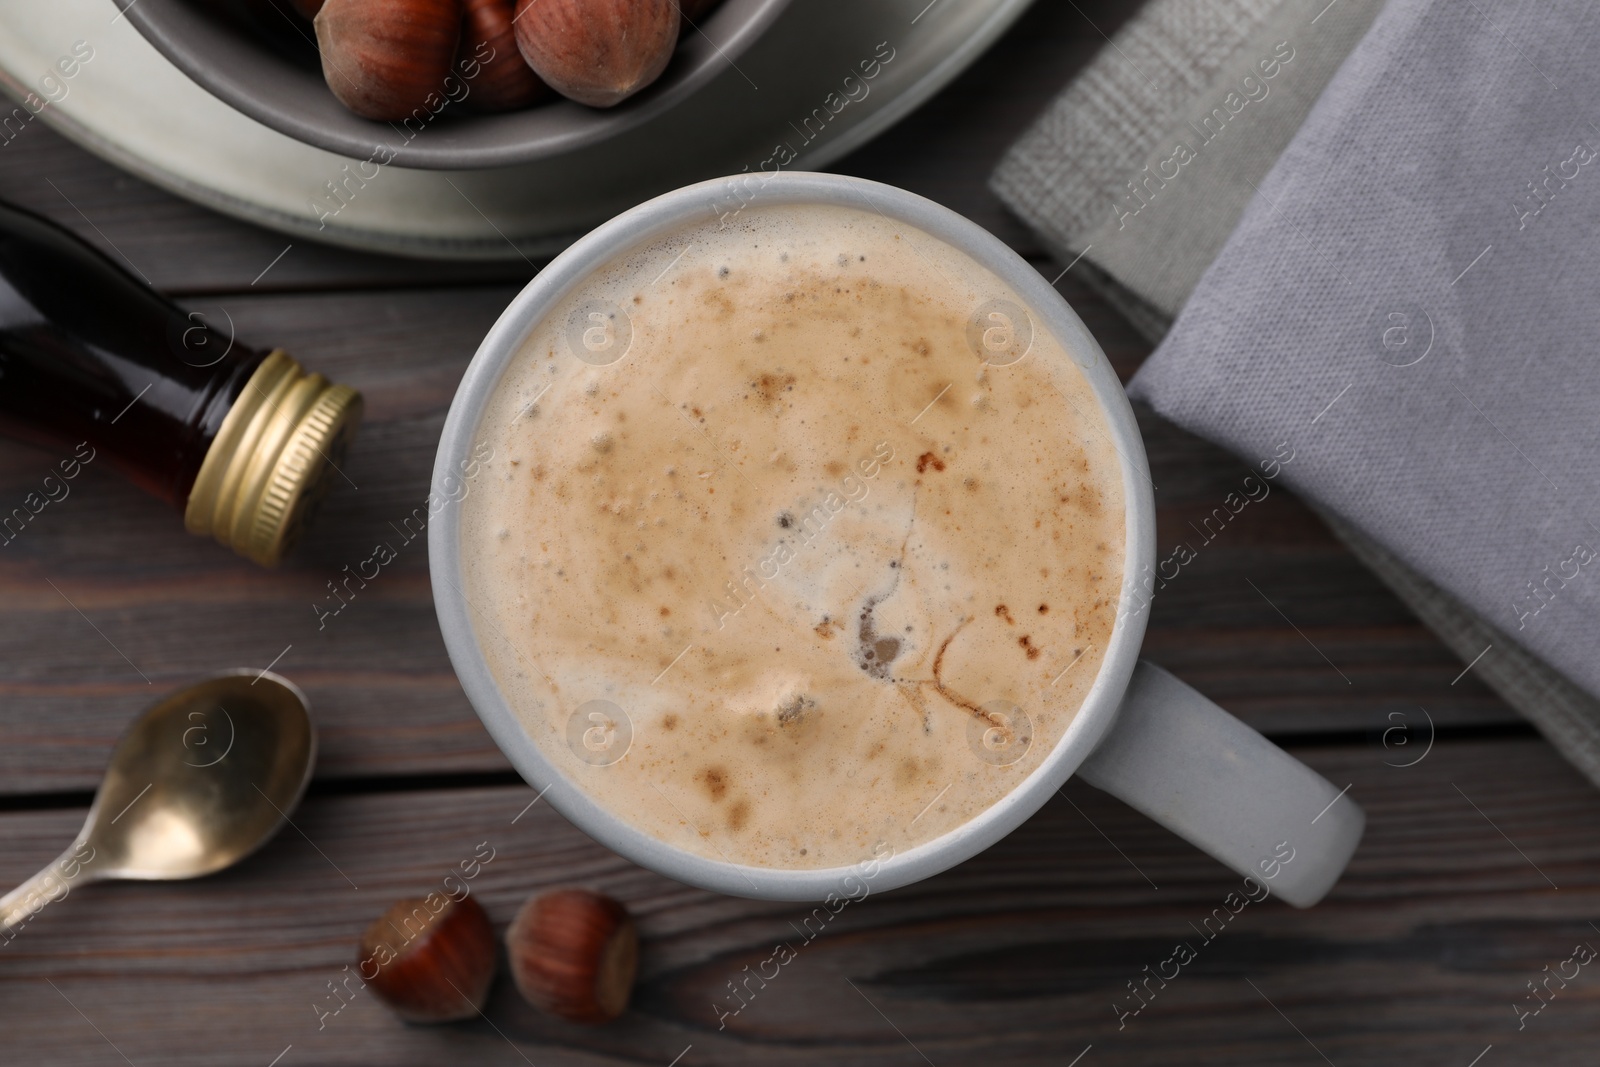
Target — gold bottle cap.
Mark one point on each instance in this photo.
(269, 464)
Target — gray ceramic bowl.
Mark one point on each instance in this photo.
(276, 79)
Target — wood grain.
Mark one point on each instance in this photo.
(1016, 956)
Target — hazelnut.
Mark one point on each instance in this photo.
(574, 954)
(597, 52)
(385, 59)
(499, 78)
(308, 8)
(433, 964)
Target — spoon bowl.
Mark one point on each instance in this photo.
(202, 778)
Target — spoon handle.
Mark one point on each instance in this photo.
(48, 886)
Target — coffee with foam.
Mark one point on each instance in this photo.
(799, 537)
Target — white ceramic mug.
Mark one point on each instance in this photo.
(1140, 734)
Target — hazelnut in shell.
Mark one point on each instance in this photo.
(499, 79)
(574, 954)
(597, 52)
(385, 59)
(430, 963)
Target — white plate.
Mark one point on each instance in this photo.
(790, 89)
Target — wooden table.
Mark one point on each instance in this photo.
(1419, 956)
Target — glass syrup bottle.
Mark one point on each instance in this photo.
(240, 440)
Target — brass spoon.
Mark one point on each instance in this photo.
(201, 780)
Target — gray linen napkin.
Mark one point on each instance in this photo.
(1069, 178)
(1147, 160)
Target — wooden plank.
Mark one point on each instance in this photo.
(1017, 956)
(134, 598)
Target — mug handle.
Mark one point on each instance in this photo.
(1224, 788)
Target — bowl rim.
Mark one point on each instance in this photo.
(384, 143)
(656, 218)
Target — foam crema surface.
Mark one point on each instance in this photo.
(794, 537)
